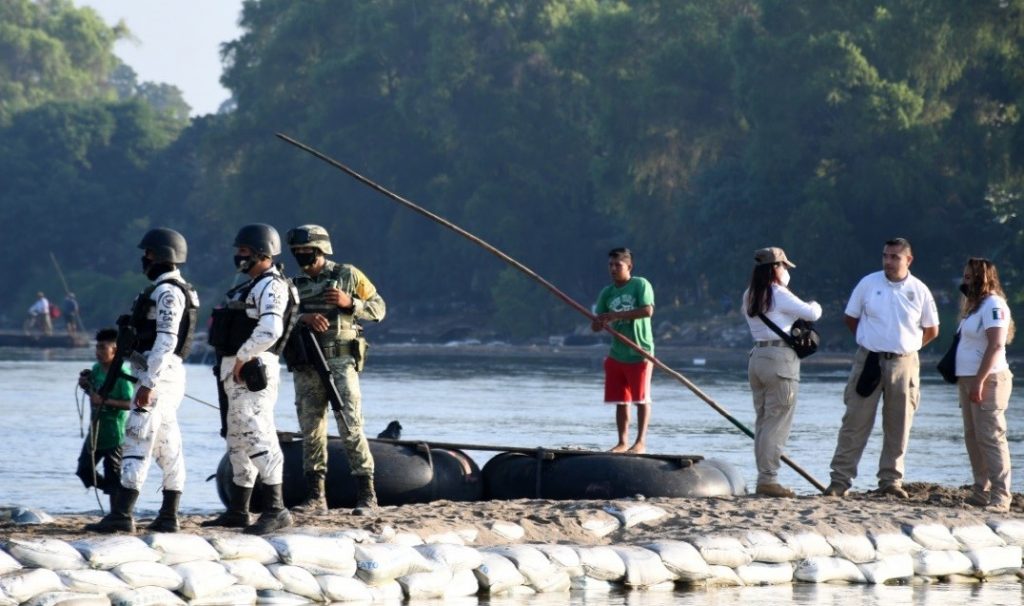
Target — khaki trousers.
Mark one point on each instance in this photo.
(774, 375)
(900, 392)
(985, 435)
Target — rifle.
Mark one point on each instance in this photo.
(315, 357)
(125, 343)
(222, 398)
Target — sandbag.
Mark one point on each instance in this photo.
(6, 601)
(508, 530)
(451, 556)
(764, 546)
(722, 551)
(540, 573)
(27, 583)
(145, 596)
(854, 547)
(644, 567)
(105, 553)
(8, 563)
(933, 537)
(600, 523)
(318, 555)
(382, 562)
(336, 588)
(497, 574)
(893, 543)
(590, 585)
(808, 544)
(940, 563)
(447, 537)
(245, 547)
(888, 568)
(92, 581)
(69, 598)
(995, 560)
(631, 515)
(387, 592)
(601, 562)
(201, 578)
(762, 573)
(977, 536)
(251, 573)
(722, 576)
(279, 597)
(297, 580)
(820, 569)
(564, 557)
(681, 559)
(425, 585)
(52, 554)
(178, 548)
(149, 574)
(1011, 531)
(235, 595)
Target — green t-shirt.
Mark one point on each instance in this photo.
(110, 426)
(632, 295)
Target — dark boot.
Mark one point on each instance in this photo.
(316, 497)
(167, 519)
(237, 515)
(274, 516)
(366, 497)
(122, 503)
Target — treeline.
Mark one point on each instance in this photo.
(692, 132)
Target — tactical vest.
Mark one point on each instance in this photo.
(145, 328)
(312, 293)
(231, 326)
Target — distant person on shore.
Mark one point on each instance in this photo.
(893, 316)
(627, 304)
(164, 319)
(334, 297)
(773, 368)
(107, 419)
(71, 310)
(39, 315)
(984, 382)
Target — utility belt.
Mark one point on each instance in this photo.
(344, 343)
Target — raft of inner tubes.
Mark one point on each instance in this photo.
(418, 473)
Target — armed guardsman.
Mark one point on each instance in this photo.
(248, 332)
(333, 298)
(155, 337)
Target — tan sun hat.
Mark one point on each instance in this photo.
(770, 255)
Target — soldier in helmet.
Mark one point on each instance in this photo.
(160, 326)
(248, 332)
(334, 297)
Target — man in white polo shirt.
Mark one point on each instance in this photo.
(893, 315)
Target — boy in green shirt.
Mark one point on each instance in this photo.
(627, 305)
(106, 427)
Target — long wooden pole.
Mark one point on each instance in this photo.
(550, 287)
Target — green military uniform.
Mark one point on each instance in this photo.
(337, 343)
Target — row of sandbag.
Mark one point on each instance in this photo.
(235, 569)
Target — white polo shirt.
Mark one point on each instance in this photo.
(893, 315)
(993, 313)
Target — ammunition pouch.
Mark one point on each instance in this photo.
(358, 347)
(254, 374)
(230, 327)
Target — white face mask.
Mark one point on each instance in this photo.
(783, 276)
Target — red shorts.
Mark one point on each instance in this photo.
(627, 382)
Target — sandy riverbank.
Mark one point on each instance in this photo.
(572, 522)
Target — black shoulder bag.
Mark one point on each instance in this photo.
(947, 365)
(803, 337)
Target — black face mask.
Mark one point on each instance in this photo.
(243, 263)
(154, 270)
(965, 289)
(305, 259)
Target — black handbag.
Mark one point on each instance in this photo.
(802, 337)
(947, 365)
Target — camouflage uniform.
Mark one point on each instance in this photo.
(310, 396)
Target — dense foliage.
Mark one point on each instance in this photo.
(693, 132)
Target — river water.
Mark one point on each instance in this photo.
(490, 397)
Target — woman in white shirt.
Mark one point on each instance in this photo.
(774, 368)
(984, 382)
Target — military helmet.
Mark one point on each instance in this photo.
(167, 245)
(312, 236)
(261, 238)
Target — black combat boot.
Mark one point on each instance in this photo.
(316, 496)
(122, 503)
(167, 519)
(237, 515)
(274, 516)
(366, 497)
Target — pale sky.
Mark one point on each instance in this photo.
(178, 42)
